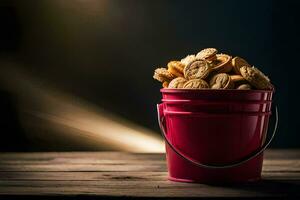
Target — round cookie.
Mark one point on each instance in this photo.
(176, 68)
(222, 64)
(207, 54)
(188, 59)
(197, 69)
(244, 87)
(177, 82)
(237, 63)
(162, 75)
(196, 84)
(255, 77)
(221, 81)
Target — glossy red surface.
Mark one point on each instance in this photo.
(215, 127)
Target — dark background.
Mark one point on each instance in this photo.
(105, 52)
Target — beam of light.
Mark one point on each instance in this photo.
(89, 123)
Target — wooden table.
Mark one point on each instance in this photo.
(110, 175)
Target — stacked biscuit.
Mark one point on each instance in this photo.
(208, 69)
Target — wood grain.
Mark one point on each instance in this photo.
(116, 174)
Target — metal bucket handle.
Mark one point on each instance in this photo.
(161, 121)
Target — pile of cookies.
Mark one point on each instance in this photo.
(208, 69)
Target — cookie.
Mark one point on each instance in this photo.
(188, 59)
(176, 68)
(196, 84)
(222, 64)
(162, 75)
(255, 77)
(244, 87)
(237, 63)
(207, 54)
(221, 81)
(165, 84)
(197, 69)
(237, 78)
(221, 71)
(177, 82)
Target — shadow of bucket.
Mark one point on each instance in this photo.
(215, 136)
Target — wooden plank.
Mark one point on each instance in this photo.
(150, 189)
(281, 176)
(284, 154)
(115, 176)
(40, 156)
(83, 167)
(75, 161)
(145, 160)
(269, 165)
(281, 165)
(84, 176)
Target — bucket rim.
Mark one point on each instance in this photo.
(193, 101)
(213, 114)
(171, 90)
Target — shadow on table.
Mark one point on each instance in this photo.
(270, 188)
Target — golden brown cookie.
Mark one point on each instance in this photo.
(236, 78)
(162, 75)
(244, 87)
(255, 77)
(176, 68)
(237, 63)
(207, 54)
(188, 59)
(222, 64)
(196, 84)
(221, 81)
(165, 84)
(197, 69)
(177, 82)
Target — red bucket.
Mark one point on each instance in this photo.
(215, 136)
